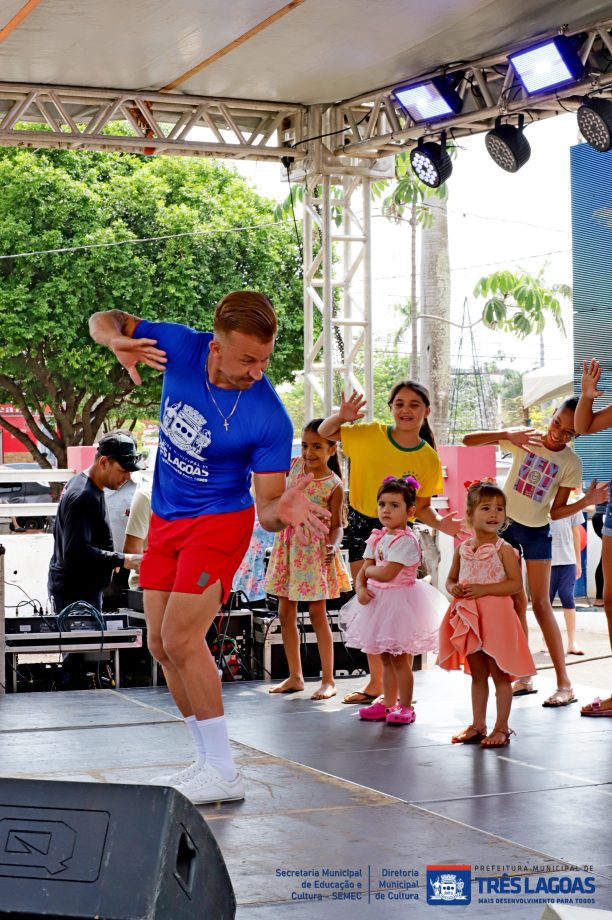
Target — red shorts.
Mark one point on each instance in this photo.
(189, 554)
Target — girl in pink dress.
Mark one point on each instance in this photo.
(481, 625)
(393, 614)
(314, 572)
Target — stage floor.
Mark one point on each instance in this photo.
(326, 791)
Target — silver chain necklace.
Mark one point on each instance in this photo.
(225, 418)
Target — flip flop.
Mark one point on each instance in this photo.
(562, 696)
(594, 710)
(360, 696)
(577, 652)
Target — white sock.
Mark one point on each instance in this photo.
(198, 740)
(215, 740)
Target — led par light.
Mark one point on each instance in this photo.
(431, 163)
(547, 65)
(595, 123)
(507, 145)
(437, 98)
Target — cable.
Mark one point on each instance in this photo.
(83, 608)
(23, 591)
(286, 161)
(147, 239)
(316, 137)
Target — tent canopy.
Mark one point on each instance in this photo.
(545, 384)
(303, 51)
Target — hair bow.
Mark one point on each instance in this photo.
(409, 480)
(486, 480)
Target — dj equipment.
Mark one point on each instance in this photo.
(48, 624)
(86, 850)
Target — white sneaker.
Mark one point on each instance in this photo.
(176, 779)
(208, 785)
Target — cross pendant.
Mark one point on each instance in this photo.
(226, 424)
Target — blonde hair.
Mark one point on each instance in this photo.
(246, 311)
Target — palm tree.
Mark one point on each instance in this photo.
(520, 303)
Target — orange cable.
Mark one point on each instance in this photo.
(18, 18)
(233, 44)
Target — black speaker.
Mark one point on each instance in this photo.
(118, 852)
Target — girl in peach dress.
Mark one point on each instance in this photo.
(481, 625)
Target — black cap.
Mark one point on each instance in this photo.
(121, 447)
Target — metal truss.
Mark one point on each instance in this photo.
(376, 125)
(158, 123)
(336, 149)
(337, 290)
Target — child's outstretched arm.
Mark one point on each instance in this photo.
(596, 493)
(522, 437)
(452, 582)
(585, 420)
(512, 584)
(350, 411)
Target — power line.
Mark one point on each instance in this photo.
(146, 239)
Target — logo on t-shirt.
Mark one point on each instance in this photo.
(184, 426)
(535, 477)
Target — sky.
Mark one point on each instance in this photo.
(496, 220)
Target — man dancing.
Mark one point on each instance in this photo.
(221, 421)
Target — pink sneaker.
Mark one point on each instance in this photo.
(401, 715)
(377, 712)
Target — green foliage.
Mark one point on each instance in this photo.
(519, 303)
(58, 199)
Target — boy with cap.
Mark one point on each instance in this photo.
(83, 555)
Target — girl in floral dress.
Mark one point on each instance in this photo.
(313, 572)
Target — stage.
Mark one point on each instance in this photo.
(365, 807)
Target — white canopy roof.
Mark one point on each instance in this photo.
(302, 51)
(545, 384)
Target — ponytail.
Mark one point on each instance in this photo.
(427, 434)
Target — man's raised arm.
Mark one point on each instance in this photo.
(114, 329)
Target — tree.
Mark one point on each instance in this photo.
(519, 302)
(435, 315)
(409, 194)
(65, 385)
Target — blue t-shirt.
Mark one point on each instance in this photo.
(201, 468)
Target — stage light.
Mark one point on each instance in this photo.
(507, 145)
(437, 98)
(431, 162)
(595, 123)
(548, 64)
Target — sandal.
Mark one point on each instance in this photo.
(360, 696)
(596, 708)
(401, 715)
(475, 738)
(562, 696)
(498, 744)
(523, 686)
(376, 712)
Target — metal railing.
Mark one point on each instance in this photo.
(10, 509)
